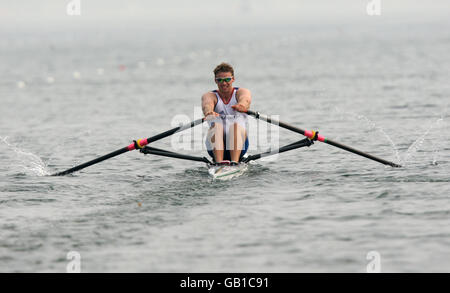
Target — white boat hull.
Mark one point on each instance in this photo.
(227, 172)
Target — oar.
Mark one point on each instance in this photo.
(314, 135)
(137, 144)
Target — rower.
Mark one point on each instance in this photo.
(225, 109)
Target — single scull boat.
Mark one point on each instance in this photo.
(226, 172)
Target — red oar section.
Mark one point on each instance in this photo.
(136, 145)
(315, 136)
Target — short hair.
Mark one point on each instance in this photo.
(223, 67)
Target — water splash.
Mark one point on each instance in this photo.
(412, 149)
(417, 144)
(373, 125)
(435, 144)
(28, 161)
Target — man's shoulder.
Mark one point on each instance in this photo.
(242, 90)
(209, 94)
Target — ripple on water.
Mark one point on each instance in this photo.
(384, 194)
(29, 187)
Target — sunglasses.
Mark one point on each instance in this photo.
(226, 79)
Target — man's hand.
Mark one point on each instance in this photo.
(211, 115)
(239, 108)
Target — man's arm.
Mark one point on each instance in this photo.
(208, 103)
(244, 99)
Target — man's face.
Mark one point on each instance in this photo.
(222, 83)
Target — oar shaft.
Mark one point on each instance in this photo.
(141, 143)
(276, 122)
(310, 134)
(158, 152)
(92, 162)
(355, 151)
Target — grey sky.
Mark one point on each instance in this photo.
(52, 13)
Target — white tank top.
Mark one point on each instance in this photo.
(225, 109)
(228, 114)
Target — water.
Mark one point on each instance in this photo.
(70, 97)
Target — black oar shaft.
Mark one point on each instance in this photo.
(174, 130)
(90, 163)
(296, 145)
(276, 122)
(328, 141)
(355, 151)
(131, 147)
(158, 152)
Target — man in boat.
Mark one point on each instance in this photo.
(225, 110)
